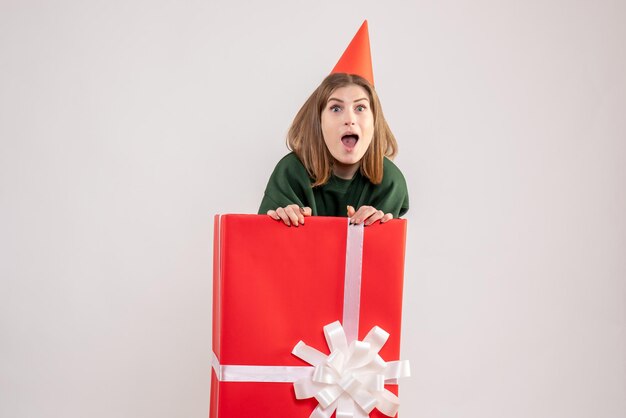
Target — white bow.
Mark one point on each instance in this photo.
(351, 380)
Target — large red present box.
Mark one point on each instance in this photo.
(275, 285)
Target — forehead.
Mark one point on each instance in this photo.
(349, 93)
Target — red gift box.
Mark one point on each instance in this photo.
(275, 285)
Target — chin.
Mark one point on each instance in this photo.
(349, 161)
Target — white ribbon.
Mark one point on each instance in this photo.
(352, 281)
(351, 379)
(274, 374)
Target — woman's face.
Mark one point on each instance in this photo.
(347, 127)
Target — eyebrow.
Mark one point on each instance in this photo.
(341, 101)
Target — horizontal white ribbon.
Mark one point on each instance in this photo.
(273, 374)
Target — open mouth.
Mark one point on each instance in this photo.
(350, 140)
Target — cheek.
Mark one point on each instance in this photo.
(330, 127)
(368, 140)
(369, 127)
(368, 120)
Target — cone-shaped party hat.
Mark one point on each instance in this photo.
(357, 58)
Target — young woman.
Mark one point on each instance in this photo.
(340, 160)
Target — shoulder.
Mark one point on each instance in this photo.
(291, 164)
(392, 174)
(395, 189)
(291, 171)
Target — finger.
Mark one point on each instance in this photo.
(306, 211)
(387, 217)
(273, 215)
(291, 213)
(353, 214)
(363, 213)
(297, 210)
(285, 218)
(350, 211)
(376, 216)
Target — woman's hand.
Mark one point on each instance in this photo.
(290, 215)
(368, 215)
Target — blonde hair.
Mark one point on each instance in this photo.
(306, 140)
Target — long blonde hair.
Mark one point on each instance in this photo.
(305, 136)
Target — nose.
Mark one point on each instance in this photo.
(350, 118)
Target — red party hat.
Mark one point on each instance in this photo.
(357, 58)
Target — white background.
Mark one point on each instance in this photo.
(126, 125)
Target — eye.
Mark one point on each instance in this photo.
(335, 108)
(360, 108)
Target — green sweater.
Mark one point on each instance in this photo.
(290, 184)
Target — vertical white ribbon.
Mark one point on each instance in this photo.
(352, 282)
